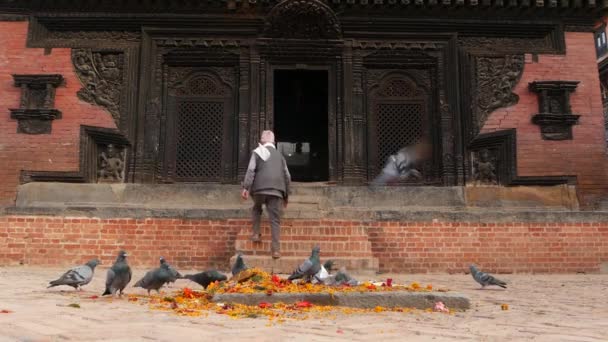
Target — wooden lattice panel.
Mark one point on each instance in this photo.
(398, 125)
(199, 141)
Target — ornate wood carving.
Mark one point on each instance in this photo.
(36, 113)
(102, 75)
(548, 44)
(495, 78)
(398, 116)
(97, 35)
(555, 116)
(302, 19)
(198, 142)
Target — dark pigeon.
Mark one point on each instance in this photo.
(340, 278)
(309, 267)
(206, 278)
(239, 265)
(119, 275)
(155, 279)
(174, 273)
(77, 276)
(329, 265)
(485, 279)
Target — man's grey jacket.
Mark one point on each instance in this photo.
(268, 177)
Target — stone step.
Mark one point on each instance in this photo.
(299, 240)
(306, 199)
(287, 264)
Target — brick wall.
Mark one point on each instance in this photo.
(400, 246)
(585, 154)
(57, 151)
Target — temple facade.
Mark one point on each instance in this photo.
(174, 94)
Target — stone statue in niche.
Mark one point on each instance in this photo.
(101, 73)
(484, 168)
(111, 167)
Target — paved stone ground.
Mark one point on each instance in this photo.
(542, 308)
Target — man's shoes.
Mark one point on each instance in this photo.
(276, 255)
(256, 237)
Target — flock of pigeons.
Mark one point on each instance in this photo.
(311, 270)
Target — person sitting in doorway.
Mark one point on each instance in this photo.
(403, 165)
(267, 180)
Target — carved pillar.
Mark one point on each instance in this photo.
(350, 140)
(244, 101)
(254, 67)
(354, 99)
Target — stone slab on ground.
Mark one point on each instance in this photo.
(366, 300)
(286, 265)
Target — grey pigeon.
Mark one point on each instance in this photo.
(119, 275)
(329, 265)
(174, 273)
(485, 279)
(239, 265)
(309, 267)
(206, 278)
(340, 278)
(77, 276)
(155, 279)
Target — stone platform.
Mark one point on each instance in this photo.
(367, 300)
(400, 229)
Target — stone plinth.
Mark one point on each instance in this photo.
(365, 300)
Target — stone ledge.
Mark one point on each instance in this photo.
(366, 300)
(402, 215)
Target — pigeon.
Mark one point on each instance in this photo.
(309, 267)
(155, 279)
(329, 265)
(174, 273)
(119, 275)
(486, 279)
(340, 278)
(77, 276)
(239, 265)
(206, 278)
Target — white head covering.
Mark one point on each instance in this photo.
(266, 140)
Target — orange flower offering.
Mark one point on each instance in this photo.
(188, 302)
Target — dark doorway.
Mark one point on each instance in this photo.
(300, 122)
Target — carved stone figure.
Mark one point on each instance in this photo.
(484, 168)
(101, 75)
(111, 164)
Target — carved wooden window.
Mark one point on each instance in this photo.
(198, 133)
(398, 119)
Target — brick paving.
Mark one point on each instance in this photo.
(541, 308)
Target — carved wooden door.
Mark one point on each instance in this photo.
(199, 136)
